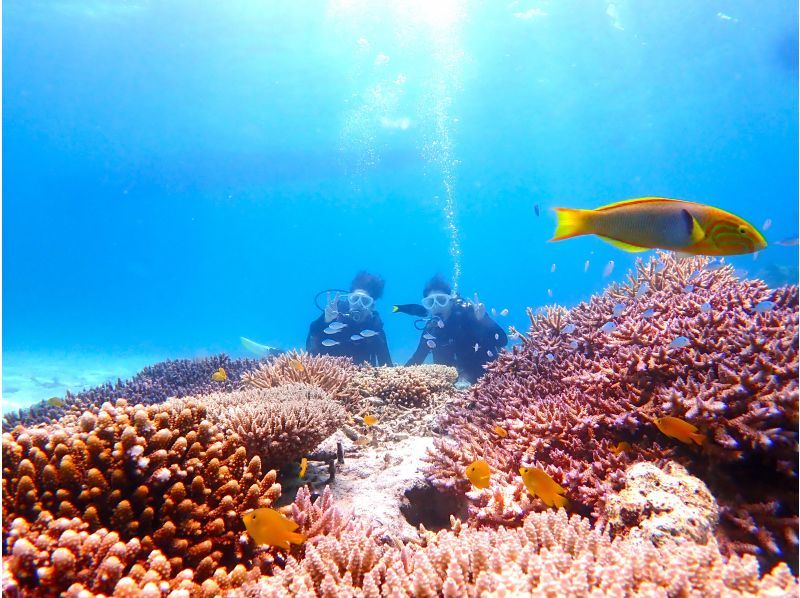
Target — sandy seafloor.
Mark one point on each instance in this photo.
(31, 377)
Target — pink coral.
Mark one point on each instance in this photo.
(578, 386)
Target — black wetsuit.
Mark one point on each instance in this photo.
(455, 341)
(374, 349)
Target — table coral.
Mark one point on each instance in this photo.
(279, 425)
(164, 479)
(331, 374)
(576, 388)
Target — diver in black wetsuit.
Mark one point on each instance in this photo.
(349, 325)
(458, 333)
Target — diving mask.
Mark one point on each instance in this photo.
(360, 304)
(440, 300)
(438, 304)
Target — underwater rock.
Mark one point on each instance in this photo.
(663, 505)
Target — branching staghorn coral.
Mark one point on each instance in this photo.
(550, 554)
(331, 374)
(164, 479)
(586, 379)
(279, 425)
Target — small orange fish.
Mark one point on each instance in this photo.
(477, 472)
(220, 375)
(500, 431)
(268, 526)
(303, 467)
(675, 427)
(370, 420)
(621, 447)
(540, 484)
(296, 365)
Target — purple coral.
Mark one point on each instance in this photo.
(736, 381)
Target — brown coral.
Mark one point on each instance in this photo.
(331, 374)
(576, 388)
(412, 386)
(550, 554)
(168, 479)
(279, 424)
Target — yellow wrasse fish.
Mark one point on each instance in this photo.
(268, 526)
(296, 365)
(220, 375)
(500, 431)
(477, 473)
(540, 484)
(661, 223)
(303, 467)
(675, 427)
(370, 420)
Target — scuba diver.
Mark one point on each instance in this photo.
(457, 332)
(349, 326)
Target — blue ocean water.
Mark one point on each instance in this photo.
(180, 174)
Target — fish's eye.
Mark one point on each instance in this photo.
(742, 230)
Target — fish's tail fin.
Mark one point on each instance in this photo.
(571, 223)
(698, 438)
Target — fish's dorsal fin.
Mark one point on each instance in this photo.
(696, 232)
(623, 246)
(626, 202)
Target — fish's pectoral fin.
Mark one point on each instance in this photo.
(693, 228)
(624, 246)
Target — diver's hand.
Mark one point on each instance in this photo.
(331, 308)
(480, 308)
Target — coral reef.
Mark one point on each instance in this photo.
(141, 479)
(412, 386)
(278, 425)
(154, 384)
(550, 554)
(663, 505)
(331, 374)
(587, 379)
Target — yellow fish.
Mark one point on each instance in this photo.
(661, 223)
(55, 402)
(268, 526)
(296, 365)
(370, 420)
(477, 472)
(303, 467)
(542, 485)
(620, 448)
(675, 427)
(500, 431)
(220, 375)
